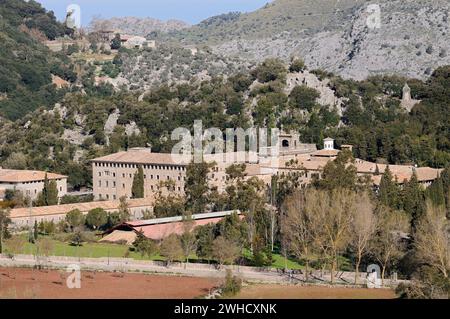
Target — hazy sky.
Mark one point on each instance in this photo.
(192, 11)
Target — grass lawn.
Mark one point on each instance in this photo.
(97, 250)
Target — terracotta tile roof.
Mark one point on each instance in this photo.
(120, 235)
(328, 153)
(18, 176)
(139, 157)
(145, 156)
(83, 207)
(424, 174)
(158, 231)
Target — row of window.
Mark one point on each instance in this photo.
(153, 188)
(145, 176)
(144, 166)
(123, 185)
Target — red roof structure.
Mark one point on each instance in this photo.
(160, 228)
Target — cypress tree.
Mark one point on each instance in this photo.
(49, 194)
(414, 200)
(36, 231)
(388, 192)
(52, 193)
(436, 192)
(137, 190)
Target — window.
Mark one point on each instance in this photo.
(99, 183)
(123, 185)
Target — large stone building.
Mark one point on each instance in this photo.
(113, 174)
(30, 183)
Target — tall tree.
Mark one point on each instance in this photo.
(414, 200)
(388, 191)
(333, 212)
(4, 222)
(388, 242)
(49, 194)
(197, 188)
(188, 239)
(436, 192)
(299, 227)
(362, 229)
(137, 190)
(205, 238)
(432, 240)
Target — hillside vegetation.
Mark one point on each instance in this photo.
(26, 64)
(366, 114)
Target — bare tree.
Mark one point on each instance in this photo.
(188, 239)
(387, 244)
(362, 228)
(45, 246)
(225, 251)
(15, 244)
(299, 228)
(333, 212)
(432, 238)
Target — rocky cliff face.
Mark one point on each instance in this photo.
(412, 40)
(137, 26)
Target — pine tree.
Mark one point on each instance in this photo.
(137, 190)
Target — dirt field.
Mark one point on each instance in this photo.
(300, 292)
(28, 283)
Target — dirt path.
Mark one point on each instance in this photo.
(313, 292)
(49, 284)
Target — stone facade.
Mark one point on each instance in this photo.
(31, 183)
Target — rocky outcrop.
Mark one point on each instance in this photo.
(327, 95)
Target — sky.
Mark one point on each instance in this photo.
(191, 11)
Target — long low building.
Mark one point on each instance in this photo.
(160, 228)
(23, 217)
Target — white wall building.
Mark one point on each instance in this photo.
(30, 183)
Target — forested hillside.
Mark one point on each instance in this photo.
(367, 114)
(26, 64)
